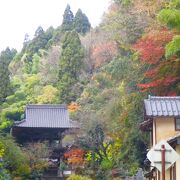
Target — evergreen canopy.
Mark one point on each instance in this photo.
(81, 22)
(68, 19)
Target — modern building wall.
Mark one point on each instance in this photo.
(164, 128)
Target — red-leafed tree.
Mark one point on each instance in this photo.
(75, 156)
(162, 75)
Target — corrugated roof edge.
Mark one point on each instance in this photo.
(160, 99)
(163, 97)
(46, 106)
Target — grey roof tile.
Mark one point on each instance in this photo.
(162, 106)
(47, 116)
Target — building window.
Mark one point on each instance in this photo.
(177, 123)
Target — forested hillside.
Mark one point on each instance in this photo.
(102, 74)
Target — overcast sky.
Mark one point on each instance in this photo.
(18, 17)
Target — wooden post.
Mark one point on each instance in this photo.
(163, 150)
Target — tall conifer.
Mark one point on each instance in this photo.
(81, 22)
(70, 66)
(68, 19)
(5, 58)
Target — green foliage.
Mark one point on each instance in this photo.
(8, 54)
(26, 91)
(50, 69)
(1, 150)
(14, 159)
(4, 174)
(49, 95)
(173, 48)
(31, 87)
(16, 97)
(81, 22)
(35, 64)
(5, 87)
(123, 2)
(99, 156)
(170, 17)
(78, 177)
(176, 4)
(68, 19)
(41, 40)
(112, 95)
(36, 153)
(71, 57)
(13, 114)
(123, 26)
(70, 66)
(106, 164)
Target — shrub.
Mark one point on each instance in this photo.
(78, 177)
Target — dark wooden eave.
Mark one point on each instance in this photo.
(26, 134)
(146, 125)
(173, 141)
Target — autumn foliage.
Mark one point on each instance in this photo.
(73, 107)
(75, 156)
(104, 52)
(152, 47)
(161, 73)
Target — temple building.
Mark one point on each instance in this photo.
(45, 123)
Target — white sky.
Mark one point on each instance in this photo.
(18, 17)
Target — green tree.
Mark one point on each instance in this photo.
(71, 63)
(170, 17)
(68, 19)
(41, 40)
(5, 87)
(81, 22)
(37, 154)
(14, 159)
(39, 31)
(49, 95)
(35, 64)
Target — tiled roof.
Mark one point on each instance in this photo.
(162, 106)
(47, 116)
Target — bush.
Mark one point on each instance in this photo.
(78, 177)
(106, 164)
(14, 159)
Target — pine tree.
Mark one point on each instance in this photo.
(39, 31)
(81, 22)
(68, 19)
(71, 63)
(5, 58)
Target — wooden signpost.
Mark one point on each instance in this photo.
(163, 156)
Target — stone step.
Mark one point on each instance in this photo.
(51, 172)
